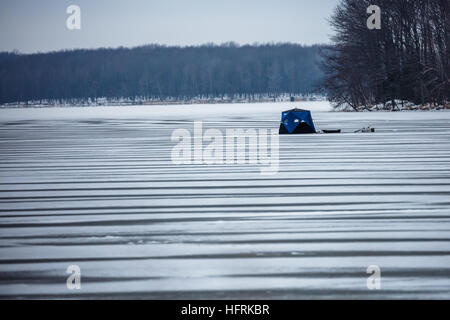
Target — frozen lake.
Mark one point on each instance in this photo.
(95, 187)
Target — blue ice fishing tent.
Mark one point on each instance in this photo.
(297, 121)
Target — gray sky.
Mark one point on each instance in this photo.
(40, 25)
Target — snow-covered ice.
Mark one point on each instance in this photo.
(95, 187)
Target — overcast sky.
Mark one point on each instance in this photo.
(40, 25)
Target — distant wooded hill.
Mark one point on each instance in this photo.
(156, 71)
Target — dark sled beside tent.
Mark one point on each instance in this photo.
(297, 121)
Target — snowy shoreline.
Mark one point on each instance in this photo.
(141, 101)
(395, 106)
(399, 107)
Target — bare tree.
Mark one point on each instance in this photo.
(407, 59)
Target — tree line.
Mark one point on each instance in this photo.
(161, 72)
(407, 59)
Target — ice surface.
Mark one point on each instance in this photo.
(95, 187)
